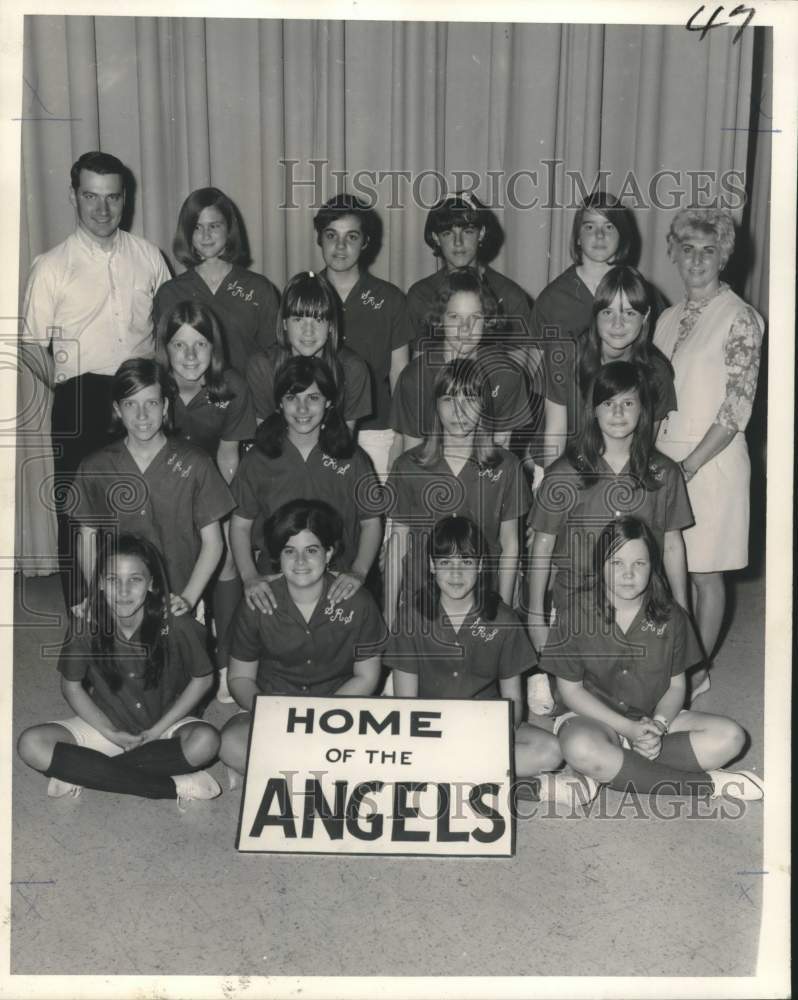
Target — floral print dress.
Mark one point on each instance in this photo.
(714, 346)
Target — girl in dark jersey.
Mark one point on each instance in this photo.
(132, 673)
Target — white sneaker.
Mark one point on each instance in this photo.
(538, 695)
(56, 789)
(567, 788)
(197, 785)
(223, 694)
(743, 785)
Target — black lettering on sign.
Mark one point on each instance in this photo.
(402, 811)
(420, 723)
(317, 805)
(374, 831)
(294, 718)
(326, 721)
(367, 721)
(445, 835)
(276, 788)
(483, 809)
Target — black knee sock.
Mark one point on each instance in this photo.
(652, 776)
(159, 757)
(677, 751)
(226, 597)
(92, 769)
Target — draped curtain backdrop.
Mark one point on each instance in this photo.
(188, 102)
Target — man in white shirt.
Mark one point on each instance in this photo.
(87, 308)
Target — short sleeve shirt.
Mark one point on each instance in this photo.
(628, 671)
(419, 496)
(514, 304)
(566, 391)
(205, 422)
(413, 403)
(576, 515)
(246, 304)
(375, 324)
(468, 663)
(349, 485)
(179, 493)
(356, 392)
(314, 657)
(134, 708)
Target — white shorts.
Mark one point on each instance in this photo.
(560, 721)
(87, 736)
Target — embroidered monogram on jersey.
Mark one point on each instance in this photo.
(337, 614)
(481, 631)
(368, 300)
(331, 463)
(177, 466)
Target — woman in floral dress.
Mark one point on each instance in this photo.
(713, 340)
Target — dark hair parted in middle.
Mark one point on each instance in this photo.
(315, 516)
(294, 376)
(203, 320)
(463, 379)
(236, 250)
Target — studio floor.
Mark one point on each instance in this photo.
(106, 884)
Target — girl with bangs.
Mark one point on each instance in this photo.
(463, 233)
(462, 324)
(620, 659)
(210, 243)
(304, 450)
(131, 673)
(456, 469)
(213, 410)
(620, 330)
(603, 236)
(307, 327)
(458, 639)
(610, 471)
(153, 483)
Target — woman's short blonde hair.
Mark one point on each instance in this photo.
(715, 221)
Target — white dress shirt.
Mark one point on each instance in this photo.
(93, 305)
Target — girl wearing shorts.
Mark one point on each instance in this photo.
(132, 673)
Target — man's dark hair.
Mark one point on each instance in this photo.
(97, 163)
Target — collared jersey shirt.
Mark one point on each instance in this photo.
(374, 325)
(92, 306)
(422, 301)
(566, 391)
(245, 303)
(349, 485)
(419, 496)
(413, 403)
(179, 493)
(356, 388)
(205, 422)
(577, 514)
(314, 657)
(629, 671)
(468, 663)
(134, 708)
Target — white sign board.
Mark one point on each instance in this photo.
(378, 776)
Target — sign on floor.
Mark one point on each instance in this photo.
(378, 776)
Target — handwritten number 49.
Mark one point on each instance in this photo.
(712, 23)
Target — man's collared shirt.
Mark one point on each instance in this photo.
(93, 305)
